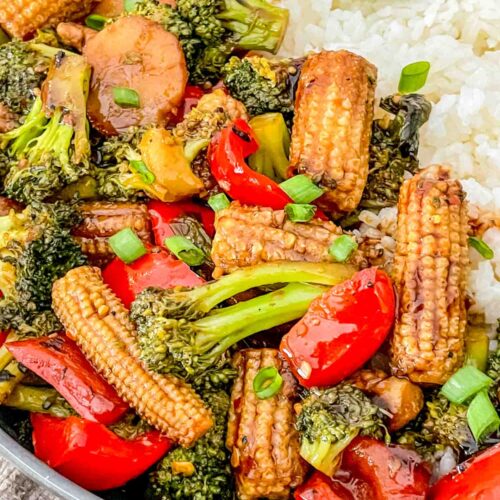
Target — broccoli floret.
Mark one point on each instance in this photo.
(330, 419)
(202, 472)
(49, 152)
(37, 249)
(22, 70)
(262, 85)
(394, 148)
(209, 31)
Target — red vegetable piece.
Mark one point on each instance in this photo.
(321, 487)
(59, 361)
(341, 330)
(90, 454)
(162, 214)
(392, 472)
(3, 337)
(158, 269)
(192, 95)
(477, 478)
(227, 154)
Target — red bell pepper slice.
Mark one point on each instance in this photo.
(227, 154)
(341, 330)
(3, 337)
(157, 268)
(162, 214)
(192, 96)
(59, 361)
(321, 487)
(477, 478)
(90, 454)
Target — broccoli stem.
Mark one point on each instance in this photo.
(219, 331)
(5, 356)
(205, 298)
(38, 400)
(10, 376)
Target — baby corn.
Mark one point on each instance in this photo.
(21, 18)
(332, 126)
(95, 318)
(261, 432)
(430, 275)
(246, 236)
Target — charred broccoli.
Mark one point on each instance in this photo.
(394, 148)
(210, 30)
(49, 152)
(330, 419)
(202, 472)
(262, 85)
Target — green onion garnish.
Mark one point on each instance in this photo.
(464, 384)
(96, 22)
(218, 202)
(297, 212)
(481, 247)
(129, 5)
(342, 248)
(482, 417)
(126, 98)
(185, 250)
(301, 189)
(127, 245)
(141, 168)
(267, 382)
(413, 77)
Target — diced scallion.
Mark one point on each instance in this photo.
(482, 417)
(413, 77)
(464, 384)
(218, 202)
(481, 247)
(141, 168)
(267, 382)
(185, 250)
(126, 98)
(298, 212)
(96, 21)
(301, 189)
(127, 245)
(342, 248)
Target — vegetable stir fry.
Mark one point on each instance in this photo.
(188, 295)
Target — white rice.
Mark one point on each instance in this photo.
(461, 40)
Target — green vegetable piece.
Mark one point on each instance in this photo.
(464, 383)
(477, 347)
(481, 247)
(301, 189)
(267, 382)
(272, 134)
(413, 77)
(185, 250)
(126, 98)
(300, 212)
(218, 202)
(130, 5)
(342, 248)
(127, 245)
(96, 22)
(482, 417)
(141, 168)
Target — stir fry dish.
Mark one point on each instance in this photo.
(194, 301)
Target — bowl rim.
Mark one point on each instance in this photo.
(40, 472)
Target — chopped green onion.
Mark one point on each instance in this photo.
(342, 248)
(267, 382)
(464, 384)
(129, 5)
(126, 98)
(185, 250)
(218, 202)
(413, 77)
(127, 245)
(482, 417)
(141, 168)
(481, 247)
(297, 212)
(301, 189)
(96, 22)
